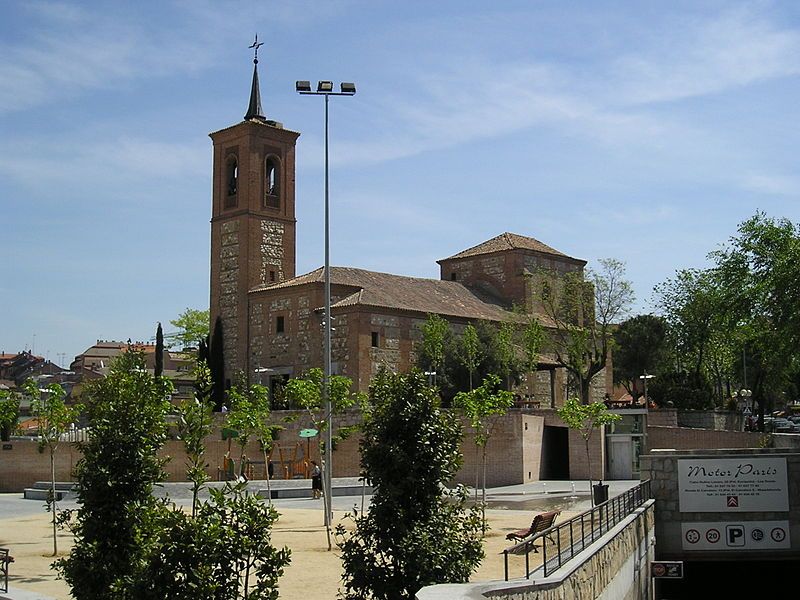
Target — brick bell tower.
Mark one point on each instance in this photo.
(252, 218)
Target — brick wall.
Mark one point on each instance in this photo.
(513, 454)
(681, 438)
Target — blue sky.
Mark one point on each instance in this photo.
(643, 131)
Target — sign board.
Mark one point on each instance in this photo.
(743, 535)
(667, 569)
(7, 447)
(732, 485)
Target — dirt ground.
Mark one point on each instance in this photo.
(314, 573)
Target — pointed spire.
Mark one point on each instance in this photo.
(254, 109)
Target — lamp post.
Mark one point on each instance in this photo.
(644, 378)
(325, 89)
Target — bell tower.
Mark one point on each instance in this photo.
(252, 218)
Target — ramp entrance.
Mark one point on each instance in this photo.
(727, 579)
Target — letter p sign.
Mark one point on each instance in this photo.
(735, 535)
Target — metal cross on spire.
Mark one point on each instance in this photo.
(256, 45)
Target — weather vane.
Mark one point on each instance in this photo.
(256, 45)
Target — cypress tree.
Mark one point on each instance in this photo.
(216, 363)
(159, 369)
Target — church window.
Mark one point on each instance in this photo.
(231, 180)
(272, 275)
(453, 276)
(280, 325)
(272, 182)
(375, 339)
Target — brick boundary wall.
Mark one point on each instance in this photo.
(684, 438)
(513, 453)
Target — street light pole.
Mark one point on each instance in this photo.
(325, 88)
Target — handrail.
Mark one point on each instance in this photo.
(594, 523)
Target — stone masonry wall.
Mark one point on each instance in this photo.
(229, 290)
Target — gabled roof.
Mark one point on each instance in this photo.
(509, 241)
(384, 290)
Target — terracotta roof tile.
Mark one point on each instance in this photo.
(508, 241)
(384, 290)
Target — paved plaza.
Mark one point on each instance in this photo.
(314, 572)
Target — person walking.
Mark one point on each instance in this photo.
(316, 481)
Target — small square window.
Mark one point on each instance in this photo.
(279, 325)
(453, 276)
(272, 275)
(375, 339)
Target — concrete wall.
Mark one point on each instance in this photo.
(661, 467)
(615, 567)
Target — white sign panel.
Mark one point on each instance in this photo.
(745, 535)
(732, 485)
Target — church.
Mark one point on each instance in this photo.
(272, 318)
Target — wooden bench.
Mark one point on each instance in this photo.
(540, 523)
(5, 560)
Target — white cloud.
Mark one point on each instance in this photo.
(771, 184)
(699, 57)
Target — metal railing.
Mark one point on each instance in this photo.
(574, 535)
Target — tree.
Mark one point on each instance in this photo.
(639, 348)
(54, 418)
(216, 364)
(415, 533)
(307, 392)
(195, 423)
(469, 351)
(192, 326)
(224, 552)
(159, 366)
(583, 312)
(482, 406)
(435, 336)
(9, 413)
(505, 351)
(115, 528)
(532, 340)
(585, 419)
(249, 415)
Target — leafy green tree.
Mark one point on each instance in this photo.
(469, 351)
(306, 392)
(533, 337)
(640, 346)
(506, 351)
(9, 413)
(436, 335)
(250, 417)
(415, 533)
(191, 326)
(758, 274)
(54, 418)
(115, 529)
(482, 406)
(586, 419)
(224, 552)
(583, 313)
(194, 425)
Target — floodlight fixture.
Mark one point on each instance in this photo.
(324, 86)
(348, 88)
(303, 86)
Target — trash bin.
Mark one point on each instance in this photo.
(600, 493)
